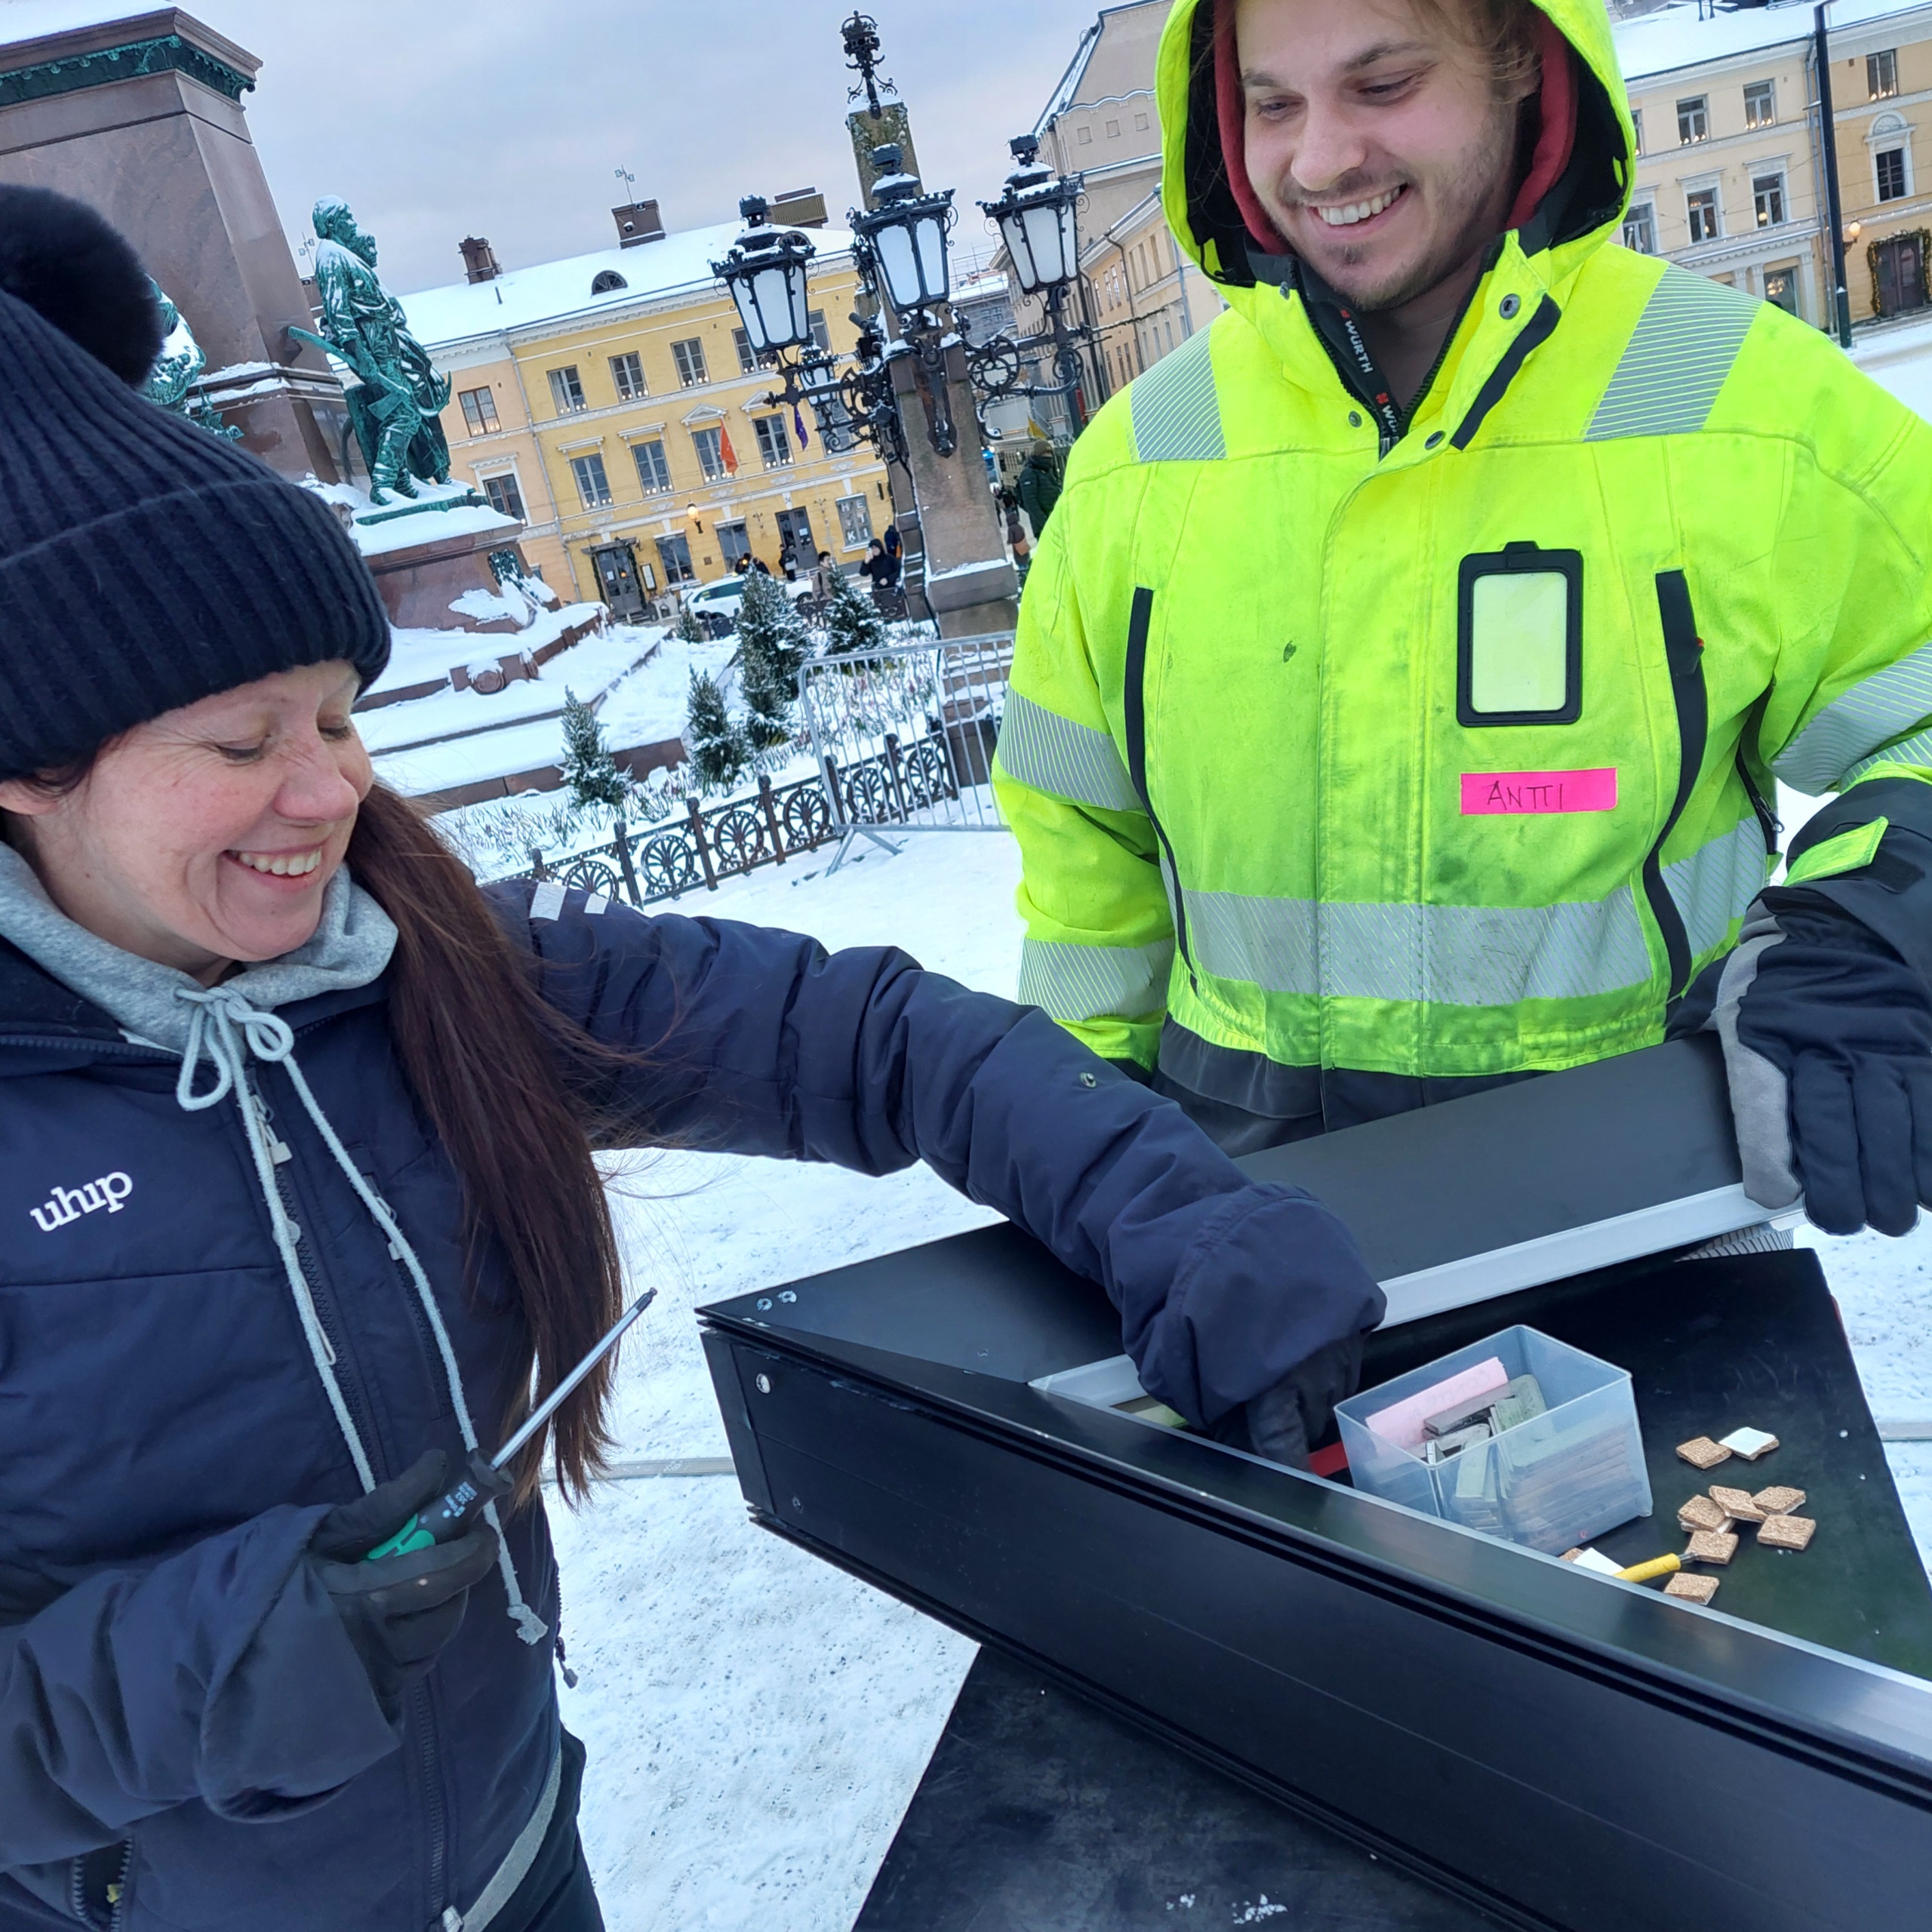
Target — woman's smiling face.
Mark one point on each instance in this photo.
(208, 835)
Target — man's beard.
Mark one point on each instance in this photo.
(1474, 189)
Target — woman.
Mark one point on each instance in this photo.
(297, 1203)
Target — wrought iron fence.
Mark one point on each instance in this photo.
(905, 736)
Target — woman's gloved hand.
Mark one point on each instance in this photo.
(400, 1612)
(1284, 1422)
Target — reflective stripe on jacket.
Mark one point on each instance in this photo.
(1443, 755)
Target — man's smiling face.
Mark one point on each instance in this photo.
(1378, 140)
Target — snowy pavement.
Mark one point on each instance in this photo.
(758, 1721)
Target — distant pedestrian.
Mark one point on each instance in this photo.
(825, 575)
(1040, 484)
(894, 545)
(1016, 530)
(881, 568)
(757, 564)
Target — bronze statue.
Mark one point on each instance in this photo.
(178, 367)
(395, 403)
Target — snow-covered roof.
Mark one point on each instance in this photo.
(29, 19)
(523, 297)
(1675, 37)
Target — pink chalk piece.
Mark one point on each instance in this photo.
(1489, 794)
(1402, 1422)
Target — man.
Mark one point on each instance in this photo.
(1040, 484)
(1400, 689)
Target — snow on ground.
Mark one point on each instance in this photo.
(757, 1720)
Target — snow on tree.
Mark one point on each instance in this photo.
(852, 623)
(690, 631)
(720, 748)
(590, 773)
(772, 645)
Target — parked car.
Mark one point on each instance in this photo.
(722, 599)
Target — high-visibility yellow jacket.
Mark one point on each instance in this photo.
(1441, 753)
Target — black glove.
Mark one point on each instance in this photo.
(1828, 1040)
(400, 1612)
(1285, 1421)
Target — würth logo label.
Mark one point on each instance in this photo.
(69, 1204)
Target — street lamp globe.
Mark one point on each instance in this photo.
(766, 273)
(907, 231)
(1037, 221)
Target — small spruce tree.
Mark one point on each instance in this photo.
(719, 748)
(772, 645)
(689, 629)
(590, 773)
(852, 623)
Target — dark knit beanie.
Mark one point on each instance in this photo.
(145, 564)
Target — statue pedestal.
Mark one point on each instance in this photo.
(970, 584)
(142, 119)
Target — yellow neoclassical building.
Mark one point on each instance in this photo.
(611, 402)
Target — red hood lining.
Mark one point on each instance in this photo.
(1556, 136)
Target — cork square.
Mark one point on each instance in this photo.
(1713, 1546)
(1779, 1502)
(1691, 1589)
(1786, 1532)
(1737, 1503)
(1701, 1513)
(1748, 1443)
(1701, 1453)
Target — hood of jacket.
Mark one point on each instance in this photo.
(1584, 148)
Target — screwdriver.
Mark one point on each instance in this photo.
(484, 1482)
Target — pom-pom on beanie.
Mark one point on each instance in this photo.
(144, 563)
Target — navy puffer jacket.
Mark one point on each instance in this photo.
(172, 1681)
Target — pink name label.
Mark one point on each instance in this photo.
(1485, 793)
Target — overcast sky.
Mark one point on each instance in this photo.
(439, 118)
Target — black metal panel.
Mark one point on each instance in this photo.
(1523, 1162)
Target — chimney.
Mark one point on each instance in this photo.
(479, 259)
(638, 223)
(801, 207)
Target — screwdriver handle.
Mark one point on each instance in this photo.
(481, 1484)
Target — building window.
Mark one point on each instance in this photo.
(689, 356)
(674, 553)
(1113, 131)
(505, 498)
(1640, 229)
(607, 281)
(1781, 288)
(592, 485)
(1891, 175)
(627, 372)
(821, 335)
(652, 471)
(1637, 123)
(742, 343)
(566, 391)
(1881, 74)
(1694, 120)
(709, 444)
(1767, 198)
(1898, 274)
(1760, 103)
(734, 544)
(1702, 206)
(479, 411)
(855, 522)
(1140, 124)
(1083, 136)
(774, 441)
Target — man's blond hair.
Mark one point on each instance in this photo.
(1503, 33)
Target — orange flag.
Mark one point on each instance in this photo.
(725, 450)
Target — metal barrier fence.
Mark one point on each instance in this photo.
(904, 736)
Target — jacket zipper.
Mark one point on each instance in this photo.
(115, 1894)
(437, 1816)
(1134, 704)
(1684, 651)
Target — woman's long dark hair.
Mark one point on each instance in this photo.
(505, 1081)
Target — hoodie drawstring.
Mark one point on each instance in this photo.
(224, 1029)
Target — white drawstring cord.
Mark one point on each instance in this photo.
(221, 1021)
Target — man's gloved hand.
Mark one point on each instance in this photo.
(1283, 1422)
(1827, 1037)
(400, 1612)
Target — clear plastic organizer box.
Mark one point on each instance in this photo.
(1551, 1483)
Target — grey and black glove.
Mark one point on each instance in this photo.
(1284, 1423)
(1825, 1012)
(401, 1611)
